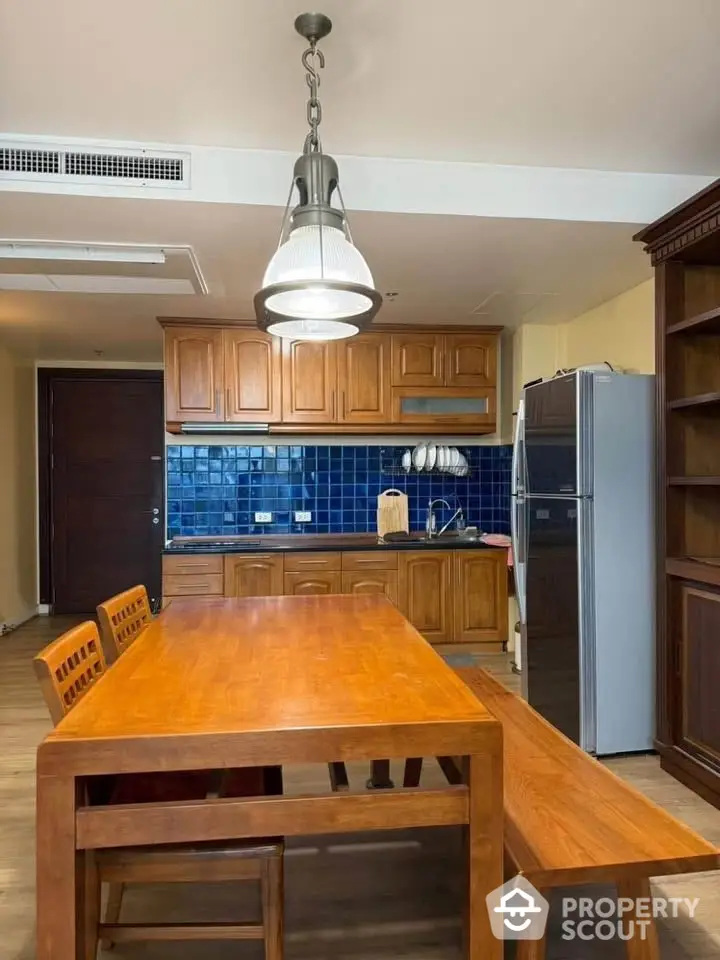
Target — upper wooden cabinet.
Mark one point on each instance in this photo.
(194, 376)
(417, 360)
(309, 373)
(470, 360)
(253, 377)
(363, 379)
(389, 379)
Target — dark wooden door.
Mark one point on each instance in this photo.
(106, 487)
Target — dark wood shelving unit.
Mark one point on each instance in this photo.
(699, 400)
(685, 250)
(694, 481)
(699, 325)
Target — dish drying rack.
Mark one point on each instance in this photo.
(391, 466)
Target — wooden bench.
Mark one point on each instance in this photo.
(569, 820)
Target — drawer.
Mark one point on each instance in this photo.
(192, 563)
(310, 562)
(197, 585)
(210, 599)
(370, 560)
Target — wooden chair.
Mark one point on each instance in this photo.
(67, 670)
(122, 618)
(569, 820)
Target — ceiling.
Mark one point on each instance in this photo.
(611, 86)
(446, 269)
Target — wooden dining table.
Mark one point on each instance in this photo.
(269, 681)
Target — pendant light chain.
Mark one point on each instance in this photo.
(314, 108)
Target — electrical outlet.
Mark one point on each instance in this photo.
(263, 518)
(303, 516)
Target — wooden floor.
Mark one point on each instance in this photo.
(363, 897)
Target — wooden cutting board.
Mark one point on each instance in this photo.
(392, 512)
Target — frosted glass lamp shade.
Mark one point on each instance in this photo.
(315, 253)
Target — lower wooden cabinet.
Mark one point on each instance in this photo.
(253, 575)
(698, 713)
(371, 581)
(449, 596)
(424, 592)
(311, 584)
(480, 589)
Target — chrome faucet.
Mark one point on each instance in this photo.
(430, 524)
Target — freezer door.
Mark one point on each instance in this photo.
(553, 663)
(557, 435)
(518, 516)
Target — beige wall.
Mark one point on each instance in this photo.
(18, 599)
(621, 331)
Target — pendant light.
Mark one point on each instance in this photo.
(317, 285)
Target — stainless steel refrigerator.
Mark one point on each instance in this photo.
(583, 531)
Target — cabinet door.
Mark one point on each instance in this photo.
(364, 379)
(452, 406)
(424, 592)
(470, 360)
(309, 382)
(312, 584)
(194, 379)
(253, 377)
(417, 360)
(371, 581)
(481, 602)
(253, 575)
(699, 668)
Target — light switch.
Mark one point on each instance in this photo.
(263, 518)
(303, 516)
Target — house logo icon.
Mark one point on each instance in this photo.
(517, 911)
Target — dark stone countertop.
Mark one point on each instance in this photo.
(324, 543)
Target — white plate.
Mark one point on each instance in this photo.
(441, 455)
(419, 456)
(454, 457)
(431, 459)
(407, 461)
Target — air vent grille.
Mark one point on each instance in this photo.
(22, 162)
(29, 161)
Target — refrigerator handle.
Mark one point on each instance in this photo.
(517, 482)
(519, 547)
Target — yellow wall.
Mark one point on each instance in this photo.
(17, 491)
(620, 331)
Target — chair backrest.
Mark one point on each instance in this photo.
(122, 618)
(69, 667)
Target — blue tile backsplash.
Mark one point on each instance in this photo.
(217, 490)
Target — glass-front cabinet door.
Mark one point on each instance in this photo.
(451, 405)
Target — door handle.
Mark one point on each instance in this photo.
(217, 401)
(228, 402)
(155, 511)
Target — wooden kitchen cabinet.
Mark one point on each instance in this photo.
(470, 360)
(417, 360)
(371, 581)
(309, 376)
(253, 575)
(320, 582)
(425, 580)
(480, 590)
(253, 377)
(192, 575)
(698, 716)
(363, 379)
(449, 406)
(194, 375)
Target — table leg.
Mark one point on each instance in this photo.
(485, 851)
(380, 776)
(59, 869)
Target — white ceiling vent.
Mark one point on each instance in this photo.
(150, 168)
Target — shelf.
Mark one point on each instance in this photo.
(702, 323)
(701, 569)
(694, 481)
(700, 400)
